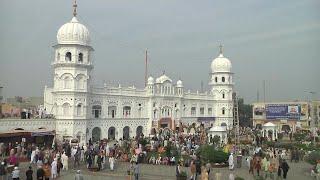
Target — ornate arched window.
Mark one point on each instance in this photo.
(68, 56)
(126, 111)
(79, 110)
(55, 109)
(210, 111)
(223, 79)
(67, 82)
(66, 109)
(80, 58)
(193, 111)
(96, 111)
(202, 111)
(81, 82)
(112, 111)
(223, 95)
(223, 111)
(216, 79)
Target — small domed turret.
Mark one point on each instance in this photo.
(150, 80)
(179, 84)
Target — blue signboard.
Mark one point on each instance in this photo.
(283, 111)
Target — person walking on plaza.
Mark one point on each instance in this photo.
(111, 162)
(178, 169)
(285, 168)
(40, 173)
(193, 171)
(29, 173)
(279, 170)
(89, 161)
(33, 157)
(47, 171)
(251, 166)
(3, 171)
(270, 171)
(204, 173)
(258, 166)
(198, 167)
(16, 173)
(99, 162)
(265, 166)
(64, 160)
(54, 169)
(76, 162)
(231, 162)
(208, 167)
(136, 171)
(231, 176)
(78, 175)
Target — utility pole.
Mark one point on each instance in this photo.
(1, 97)
(264, 91)
(146, 68)
(201, 86)
(314, 116)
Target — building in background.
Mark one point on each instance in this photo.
(84, 111)
(315, 113)
(287, 116)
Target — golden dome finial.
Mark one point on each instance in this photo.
(220, 48)
(75, 8)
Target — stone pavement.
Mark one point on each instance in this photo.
(297, 171)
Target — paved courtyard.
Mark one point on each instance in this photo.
(297, 171)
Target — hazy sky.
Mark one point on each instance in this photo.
(276, 41)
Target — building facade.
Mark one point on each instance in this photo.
(124, 112)
(286, 116)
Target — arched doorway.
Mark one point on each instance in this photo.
(96, 134)
(139, 131)
(79, 136)
(270, 134)
(223, 124)
(126, 132)
(112, 133)
(153, 131)
(258, 126)
(286, 128)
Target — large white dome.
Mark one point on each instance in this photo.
(221, 64)
(163, 78)
(73, 32)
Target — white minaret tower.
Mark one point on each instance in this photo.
(150, 86)
(72, 70)
(222, 89)
(179, 88)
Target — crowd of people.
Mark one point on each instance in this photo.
(171, 148)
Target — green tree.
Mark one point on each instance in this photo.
(245, 113)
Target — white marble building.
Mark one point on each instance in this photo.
(84, 111)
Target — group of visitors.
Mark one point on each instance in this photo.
(268, 166)
(47, 162)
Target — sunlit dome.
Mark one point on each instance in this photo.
(73, 32)
(179, 83)
(150, 80)
(163, 78)
(221, 63)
